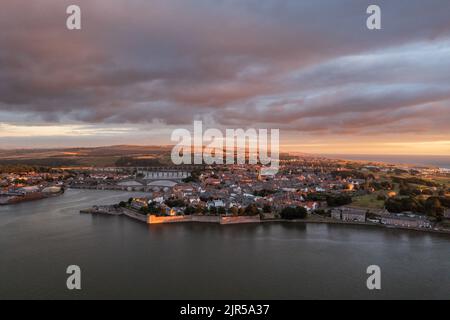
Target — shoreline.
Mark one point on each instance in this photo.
(241, 220)
(360, 224)
(421, 161)
(29, 198)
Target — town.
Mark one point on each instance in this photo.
(306, 189)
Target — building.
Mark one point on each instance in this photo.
(349, 214)
(215, 204)
(407, 220)
(336, 213)
(447, 214)
(311, 206)
(139, 203)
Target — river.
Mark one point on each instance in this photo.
(122, 258)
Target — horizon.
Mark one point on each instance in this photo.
(282, 150)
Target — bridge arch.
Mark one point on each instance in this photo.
(162, 183)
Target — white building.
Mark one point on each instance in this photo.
(349, 214)
(215, 204)
(407, 220)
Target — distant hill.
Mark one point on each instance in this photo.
(97, 156)
(119, 155)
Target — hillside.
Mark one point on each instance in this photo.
(98, 156)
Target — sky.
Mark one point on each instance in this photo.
(139, 69)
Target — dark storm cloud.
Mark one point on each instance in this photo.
(299, 65)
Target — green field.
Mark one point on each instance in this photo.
(368, 201)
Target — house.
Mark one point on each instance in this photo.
(168, 211)
(215, 204)
(336, 213)
(158, 199)
(192, 200)
(349, 214)
(139, 203)
(311, 206)
(212, 181)
(176, 211)
(408, 220)
(447, 214)
(354, 214)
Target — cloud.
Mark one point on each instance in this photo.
(302, 66)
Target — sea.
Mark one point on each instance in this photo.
(419, 160)
(121, 258)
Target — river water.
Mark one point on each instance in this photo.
(122, 258)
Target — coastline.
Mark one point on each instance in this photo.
(379, 225)
(436, 161)
(29, 198)
(233, 220)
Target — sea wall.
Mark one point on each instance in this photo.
(152, 219)
(239, 219)
(207, 219)
(134, 215)
(27, 197)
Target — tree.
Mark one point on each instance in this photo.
(194, 177)
(234, 211)
(267, 208)
(221, 211)
(340, 200)
(291, 213)
(173, 202)
(251, 210)
(199, 209)
(393, 205)
(122, 204)
(323, 213)
(144, 210)
(263, 192)
(189, 210)
(433, 207)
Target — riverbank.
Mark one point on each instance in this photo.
(16, 199)
(355, 223)
(228, 220)
(152, 219)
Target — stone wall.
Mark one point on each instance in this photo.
(152, 219)
(239, 219)
(134, 215)
(208, 219)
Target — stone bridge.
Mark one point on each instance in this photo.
(174, 175)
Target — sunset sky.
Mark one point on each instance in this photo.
(139, 69)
